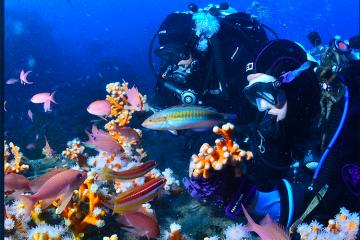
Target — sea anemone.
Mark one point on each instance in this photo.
(171, 182)
(52, 232)
(315, 226)
(212, 238)
(9, 224)
(236, 232)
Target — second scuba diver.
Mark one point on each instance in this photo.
(304, 135)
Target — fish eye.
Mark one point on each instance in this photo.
(79, 176)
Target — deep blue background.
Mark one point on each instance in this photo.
(70, 44)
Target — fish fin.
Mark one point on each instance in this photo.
(52, 97)
(154, 110)
(107, 174)
(47, 106)
(279, 229)
(103, 118)
(109, 204)
(39, 181)
(66, 199)
(251, 223)
(27, 200)
(45, 203)
(89, 145)
(173, 132)
(130, 229)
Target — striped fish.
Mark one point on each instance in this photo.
(133, 198)
(135, 172)
(185, 117)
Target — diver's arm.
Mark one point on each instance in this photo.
(284, 204)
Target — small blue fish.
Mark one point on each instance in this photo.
(185, 117)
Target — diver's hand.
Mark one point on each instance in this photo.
(205, 188)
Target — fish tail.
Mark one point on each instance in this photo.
(251, 223)
(52, 97)
(117, 209)
(28, 201)
(106, 174)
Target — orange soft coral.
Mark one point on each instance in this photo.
(225, 151)
(13, 165)
(78, 218)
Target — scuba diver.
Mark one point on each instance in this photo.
(297, 123)
(202, 55)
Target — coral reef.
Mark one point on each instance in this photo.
(16, 221)
(77, 217)
(175, 233)
(225, 151)
(112, 237)
(75, 151)
(344, 226)
(120, 107)
(13, 165)
(47, 232)
(236, 232)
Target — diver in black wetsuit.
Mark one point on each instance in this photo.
(297, 125)
(203, 53)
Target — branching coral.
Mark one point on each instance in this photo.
(225, 151)
(344, 226)
(13, 165)
(75, 151)
(120, 107)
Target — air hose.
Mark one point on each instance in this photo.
(151, 47)
(219, 65)
(328, 164)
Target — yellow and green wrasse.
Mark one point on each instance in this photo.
(185, 117)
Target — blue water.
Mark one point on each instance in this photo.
(76, 47)
(68, 43)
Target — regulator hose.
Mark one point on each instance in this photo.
(332, 160)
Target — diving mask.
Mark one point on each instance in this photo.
(263, 91)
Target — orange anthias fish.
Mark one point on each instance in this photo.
(61, 184)
(135, 172)
(102, 141)
(129, 134)
(16, 182)
(140, 224)
(47, 150)
(30, 115)
(12, 81)
(100, 108)
(19, 183)
(134, 98)
(23, 77)
(45, 98)
(133, 198)
(268, 229)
